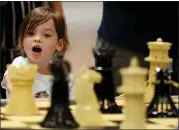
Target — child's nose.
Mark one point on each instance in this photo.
(37, 39)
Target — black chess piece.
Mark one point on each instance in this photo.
(105, 91)
(59, 115)
(162, 97)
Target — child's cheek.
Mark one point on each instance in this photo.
(27, 47)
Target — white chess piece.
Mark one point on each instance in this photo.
(133, 79)
(158, 57)
(22, 101)
(87, 111)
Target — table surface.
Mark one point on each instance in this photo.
(113, 121)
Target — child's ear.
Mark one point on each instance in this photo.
(60, 45)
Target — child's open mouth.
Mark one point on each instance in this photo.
(36, 50)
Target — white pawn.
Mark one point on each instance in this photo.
(133, 79)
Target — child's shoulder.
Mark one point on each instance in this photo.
(19, 61)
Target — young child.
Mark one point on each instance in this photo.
(42, 35)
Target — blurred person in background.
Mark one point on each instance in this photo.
(126, 27)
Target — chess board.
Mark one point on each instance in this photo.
(113, 121)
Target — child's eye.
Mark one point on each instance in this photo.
(47, 35)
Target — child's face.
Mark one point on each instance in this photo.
(41, 44)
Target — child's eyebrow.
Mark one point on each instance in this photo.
(48, 29)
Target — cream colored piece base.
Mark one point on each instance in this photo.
(149, 93)
(89, 117)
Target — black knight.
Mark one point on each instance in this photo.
(105, 91)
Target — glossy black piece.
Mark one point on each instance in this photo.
(59, 115)
(105, 91)
(162, 97)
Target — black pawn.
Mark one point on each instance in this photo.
(59, 114)
(162, 97)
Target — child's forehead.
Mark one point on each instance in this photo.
(47, 25)
(49, 22)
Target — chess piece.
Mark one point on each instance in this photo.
(162, 97)
(133, 79)
(158, 57)
(42, 94)
(21, 100)
(105, 91)
(59, 114)
(87, 110)
(168, 72)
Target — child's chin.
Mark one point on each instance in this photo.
(35, 60)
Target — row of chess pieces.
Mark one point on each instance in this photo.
(94, 84)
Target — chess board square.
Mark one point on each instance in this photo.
(13, 124)
(172, 122)
(26, 119)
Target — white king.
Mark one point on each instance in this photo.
(133, 79)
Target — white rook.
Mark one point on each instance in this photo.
(21, 101)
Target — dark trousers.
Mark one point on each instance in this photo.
(121, 59)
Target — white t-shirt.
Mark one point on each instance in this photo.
(42, 82)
